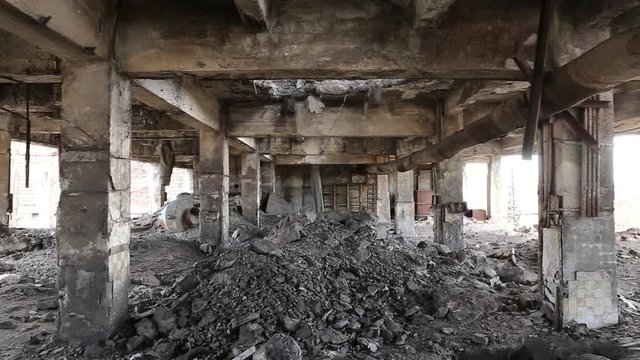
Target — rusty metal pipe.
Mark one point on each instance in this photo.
(611, 63)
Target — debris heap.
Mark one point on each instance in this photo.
(322, 288)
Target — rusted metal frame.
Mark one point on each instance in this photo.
(593, 104)
(535, 97)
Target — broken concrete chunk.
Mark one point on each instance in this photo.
(443, 249)
(7, 325)
(332, 336)
(282, 347)
(48, 304)
(276, 205)
(266, 247)
(150, 279)
(146, 328)
(164, 319)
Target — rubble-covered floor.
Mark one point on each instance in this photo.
(328, 284)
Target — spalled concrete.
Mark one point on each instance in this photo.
(250, 187)
(93, 215)
(214, 188)
(5, 166)
(405, 205)
(448, 221)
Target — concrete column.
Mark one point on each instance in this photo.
(194, 176)
(93, 214)
(267, 179)
(156, 188)
(214, 188)
(250, 187)
(405, 206)
(316, 188)
(578, 253)
(495, 191)
(383, 206)
(292, 186)
(5, 167)
(448, 215)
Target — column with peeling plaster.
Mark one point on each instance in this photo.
(213, 180)
(405, 205)
(5, 167)
(449, 212)
(577, 230)
(93, 227)
(250, 187)
(383, 206)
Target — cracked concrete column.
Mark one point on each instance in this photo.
(250, 187)
(5, 167)
(293, 188)
(383, 206)
(448, 218)
(214, 188)
(405, 206)
(156, 188)
(577, 232)
(93, 214)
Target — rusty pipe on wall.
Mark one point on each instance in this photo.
(609, 64)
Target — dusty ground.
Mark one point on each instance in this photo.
(491, 315)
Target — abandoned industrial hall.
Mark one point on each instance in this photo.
(320, 179)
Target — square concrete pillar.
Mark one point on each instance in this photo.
(495, 191)
(448, 218)
(292, 187)
(214, 188)
(250, 187)
(577, 232)
(6, 123)
(93, 214)
(383, 206)
(267, 179)
(405, 210)
(157, 191)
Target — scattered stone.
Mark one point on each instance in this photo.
(48, 304)
(4, 267)
(370, 345)
(163, 350)
(95, 351)
(150, 279)
(447, 331)
(146, 328)
(49, 317)
(282, 347)
(7, 325)
(480, 339)
(443, 249)
(289, 324)
(134, 343)
(333, 336)
(266, 247)
(164, 319)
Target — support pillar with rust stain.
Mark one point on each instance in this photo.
(5, 167)
(405, 205)
(383, 206)
(250, 187)
(577, 232)
(448, 218)
(214, 188)
(93, 227)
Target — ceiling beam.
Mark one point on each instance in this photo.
(471, 92)
(327, 146)
(184, 99)
(71, 30)
(396, 119)
(351, 40)
(328, 159)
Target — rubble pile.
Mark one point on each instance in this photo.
(324, 287)
(20, 240)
